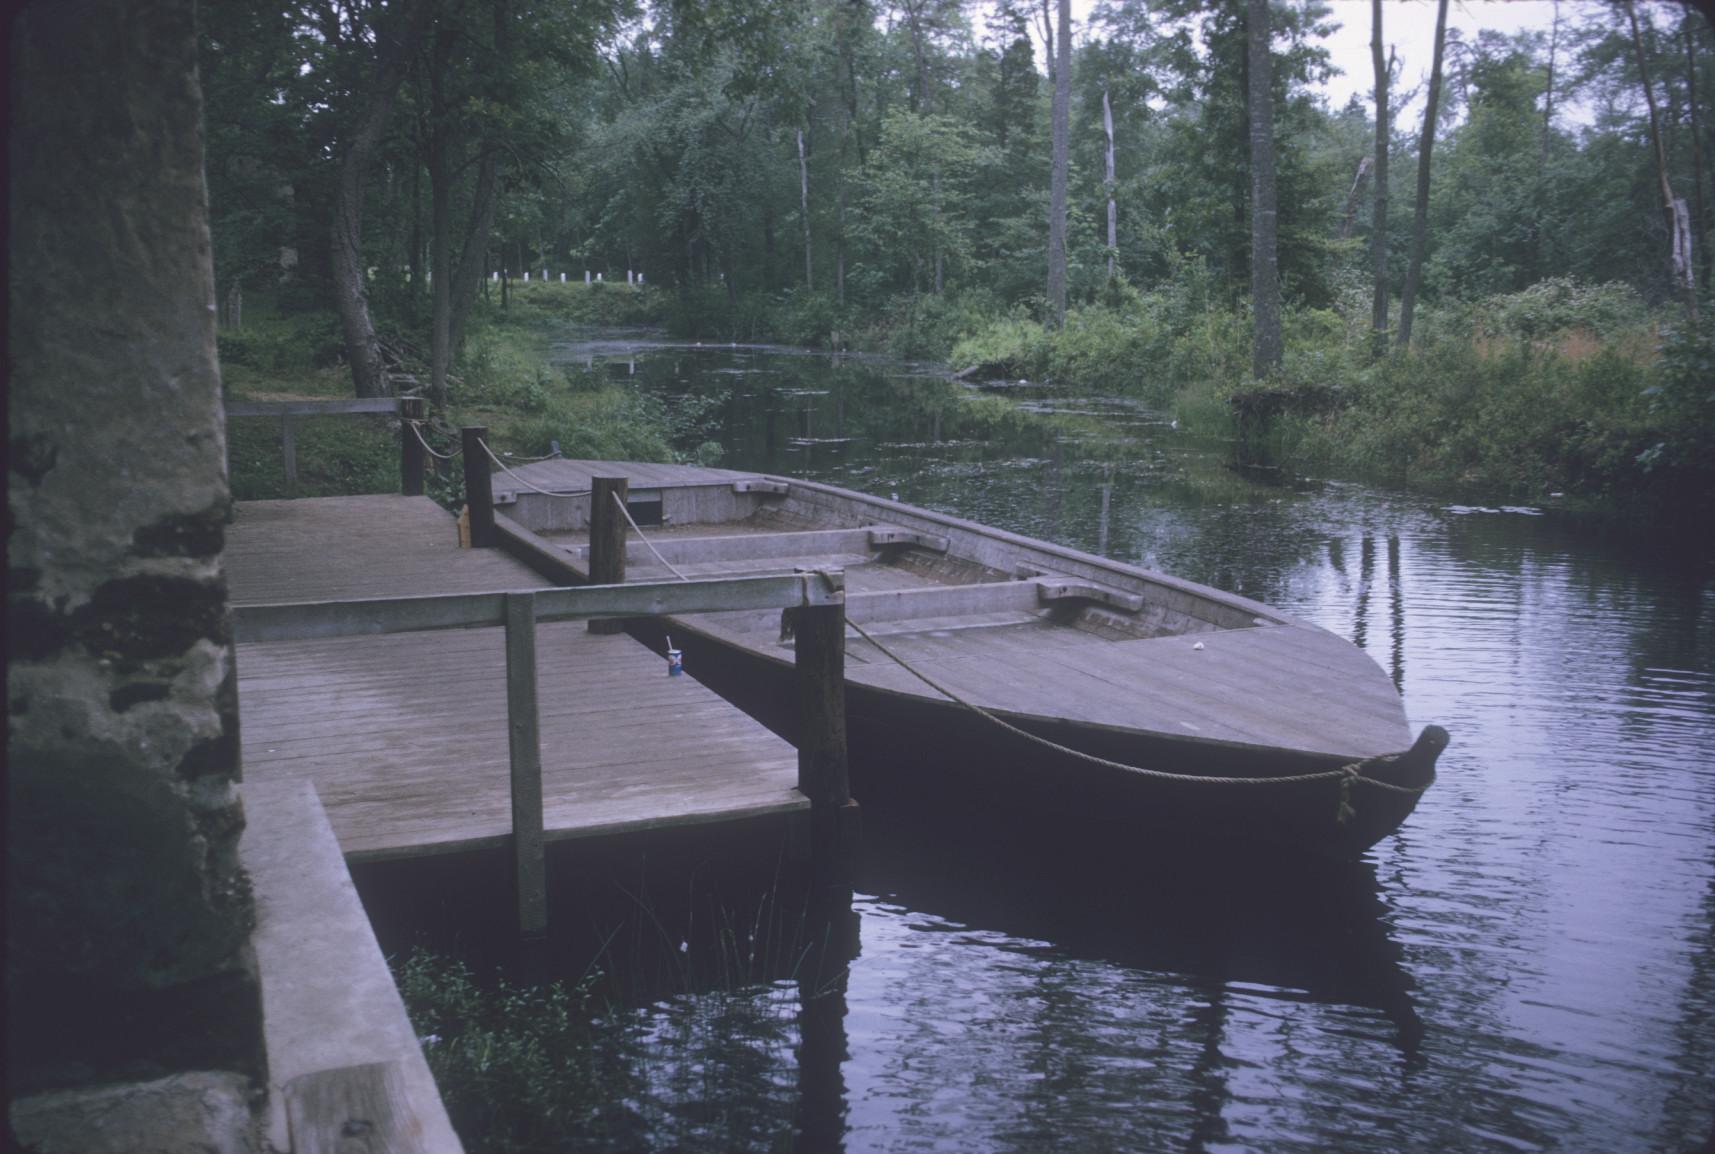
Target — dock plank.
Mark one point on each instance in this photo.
(404, 735)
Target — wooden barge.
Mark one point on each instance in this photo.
(986, 665)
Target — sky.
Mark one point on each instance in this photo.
(1409, 27)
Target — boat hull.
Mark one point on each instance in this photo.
(915, 749)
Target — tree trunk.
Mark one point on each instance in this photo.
(1548, 94)
(1349, 220)
(350, 275)
(1057, 195)
(1420, 215)
(455, 280)
(935, 183)
(804, 209)
(1113, 210)
(1699, 201)
(468, 273)
(1680, 273)
(1266, 347)
(1378, 233)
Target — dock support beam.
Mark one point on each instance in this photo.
(819, 648)
(607, 540)
(524, 747)
(479, 489)
(410, 448)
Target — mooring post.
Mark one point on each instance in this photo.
(523, 744)
(479, 488)
(289, 447)
(819, 653)
(607, 539)
(410, 448)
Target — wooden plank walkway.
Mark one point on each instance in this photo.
(404, 735)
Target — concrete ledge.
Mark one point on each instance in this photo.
(329, 1005)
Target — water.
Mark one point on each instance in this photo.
(1529, 964)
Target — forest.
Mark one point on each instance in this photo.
(1503, 290)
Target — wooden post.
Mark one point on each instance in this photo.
(524, 747)
(819, 652)
(411, 455)
(607, 540)
(289, 447)
(479, 489)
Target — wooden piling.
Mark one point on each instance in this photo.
(607, 539)
(479, 488)
(819, 651)
(524, 747)
(289, 448)
(411, 456)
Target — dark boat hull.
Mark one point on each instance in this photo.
(919, 749)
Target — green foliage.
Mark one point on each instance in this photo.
(520, 1067)
(336, 456)
(274, 346)
(1562, 304)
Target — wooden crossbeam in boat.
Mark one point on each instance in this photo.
(772, 546)
(1052, 589)
(880, 535)
(938, 601)
(761, 485)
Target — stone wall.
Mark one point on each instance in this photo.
(127, 913)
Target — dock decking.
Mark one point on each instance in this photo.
(405, 736)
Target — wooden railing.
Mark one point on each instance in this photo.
(411, 458)
(818, 602)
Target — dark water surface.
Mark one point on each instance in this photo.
(1529, 964)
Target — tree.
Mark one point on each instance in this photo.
(1062, 132)
(1267, 348)
(395, 48)
(1673, 208)
(1420, 215)
(1378, 232)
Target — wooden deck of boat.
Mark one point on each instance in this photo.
(404, 735)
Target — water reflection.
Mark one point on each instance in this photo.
(1526, 965)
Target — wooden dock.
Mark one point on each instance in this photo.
(405, 735)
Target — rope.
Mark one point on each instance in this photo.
(427, 448)
(1346, 775)
(646, 540)
(522, 481)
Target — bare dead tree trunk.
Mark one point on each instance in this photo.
(1378, 234)
(1113, 210)
(1420, 215)
(1700, 205)
(1349, 221)
(1062, 130)
(1266, 347)
(1048, 54)
(1548, 95)
(350, 275)
(1673, 209)
(935, 184)
(804, 209)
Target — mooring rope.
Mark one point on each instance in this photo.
(646, 541)
(522, 481)
(428, 448)
(1346, 774)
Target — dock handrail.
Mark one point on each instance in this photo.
(817, 598)
(409, 410)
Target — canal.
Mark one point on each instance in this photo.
(1529, 964)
